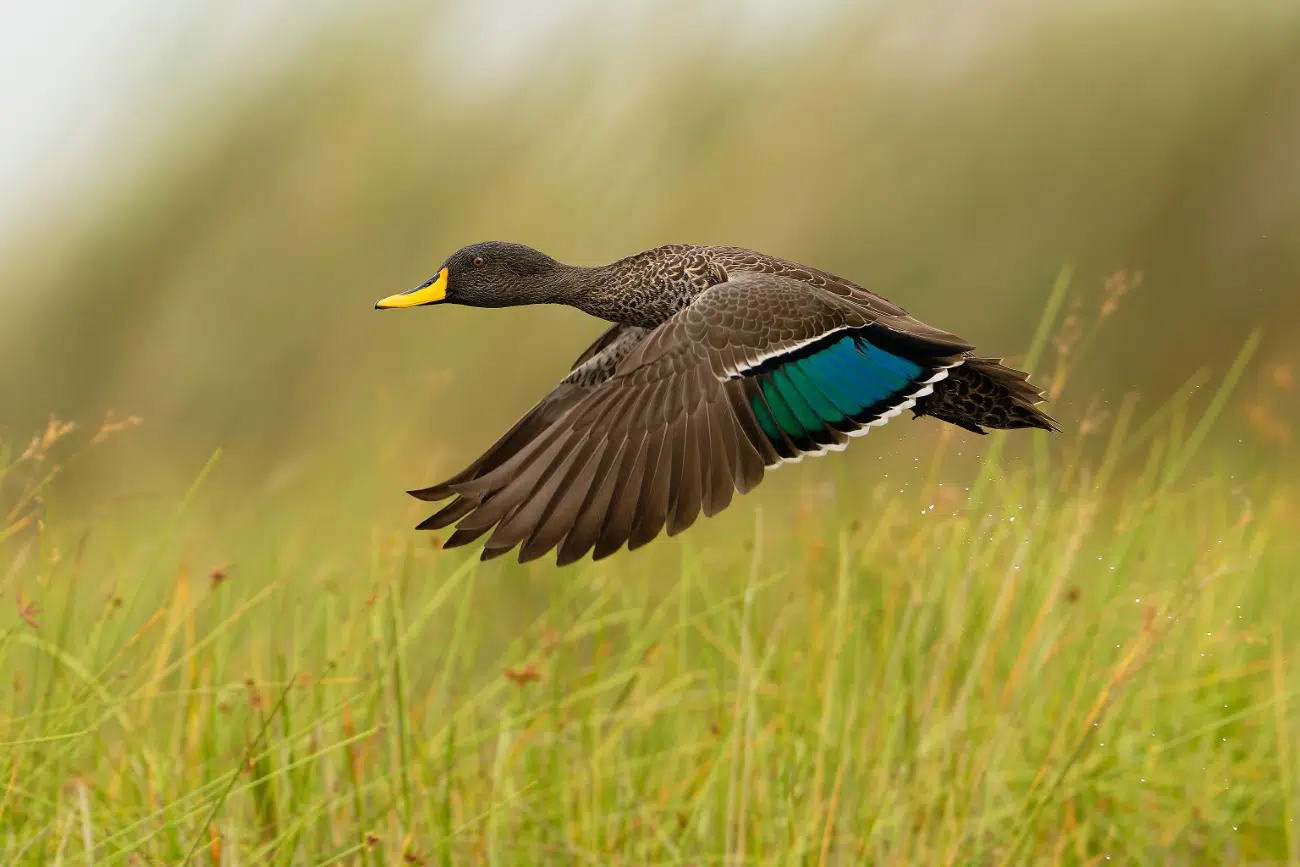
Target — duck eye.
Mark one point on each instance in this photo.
(478, 261)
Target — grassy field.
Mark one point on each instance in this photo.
(221, 642)
(1082, 657)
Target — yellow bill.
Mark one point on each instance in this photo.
(432, 292)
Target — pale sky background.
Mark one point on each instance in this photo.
(79, 77)
(67, 67)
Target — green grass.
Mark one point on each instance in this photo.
(1063, 660)
(1078, 649)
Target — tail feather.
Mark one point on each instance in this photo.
(983, 393)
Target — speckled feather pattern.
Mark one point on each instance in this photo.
(644, 290)
(647, 288)
(721, 362)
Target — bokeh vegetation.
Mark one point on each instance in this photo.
(222, 640)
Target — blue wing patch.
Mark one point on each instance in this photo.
(849, 379)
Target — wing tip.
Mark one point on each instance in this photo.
(433, 493)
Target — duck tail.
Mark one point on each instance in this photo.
(984, 393)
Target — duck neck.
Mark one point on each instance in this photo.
(592, 290)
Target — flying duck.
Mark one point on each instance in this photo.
(720, 363)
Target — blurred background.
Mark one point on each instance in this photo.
(200, 202)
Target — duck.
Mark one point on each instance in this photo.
(719, 363)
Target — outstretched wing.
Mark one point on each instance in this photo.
(757, 370)
(596, 364)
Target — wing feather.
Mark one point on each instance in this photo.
(692, 412)
(619, 519)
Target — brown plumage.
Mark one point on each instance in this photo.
(721, 362)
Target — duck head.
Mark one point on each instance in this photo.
(488, 274)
